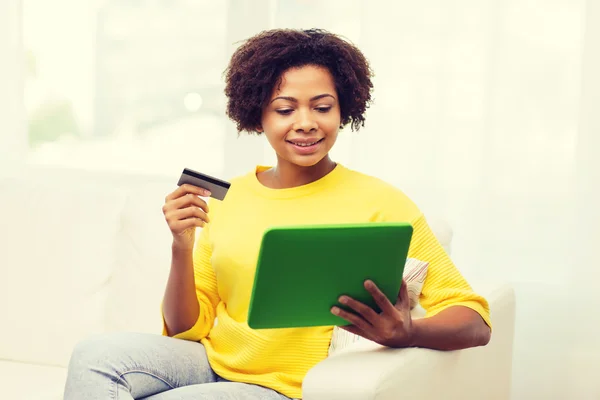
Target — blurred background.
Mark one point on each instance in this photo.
(486, 113)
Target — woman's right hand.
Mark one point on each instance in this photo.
(184, 211)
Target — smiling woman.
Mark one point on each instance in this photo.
(298, 87)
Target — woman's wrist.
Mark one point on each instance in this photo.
(452, 329)
(416, 331)
(181, 247)
(182, 256)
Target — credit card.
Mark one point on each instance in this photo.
(218, 188)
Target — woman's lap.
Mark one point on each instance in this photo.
(135, 366)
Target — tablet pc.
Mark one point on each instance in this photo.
(303, 270)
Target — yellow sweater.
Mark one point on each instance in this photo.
(226, 254)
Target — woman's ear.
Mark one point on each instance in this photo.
(259, 129)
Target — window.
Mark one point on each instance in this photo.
(126, 85)
(136, 85)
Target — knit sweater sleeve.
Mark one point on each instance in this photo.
(444, 285)
(206, 289)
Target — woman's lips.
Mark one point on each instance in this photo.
(305, 146)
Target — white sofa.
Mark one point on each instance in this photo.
(86, 252)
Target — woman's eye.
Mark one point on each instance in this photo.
(284, 112)
(323, 109)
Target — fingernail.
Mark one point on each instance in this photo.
(343, 299)
(207, 193)
(335, 310)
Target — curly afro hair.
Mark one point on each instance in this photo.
(258, 64)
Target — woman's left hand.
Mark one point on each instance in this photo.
(392, 327)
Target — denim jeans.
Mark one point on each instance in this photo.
(152, 367)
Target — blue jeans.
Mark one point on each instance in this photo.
(151, 367)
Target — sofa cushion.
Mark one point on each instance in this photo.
(142, 261)
(57, 247)
(22, 381)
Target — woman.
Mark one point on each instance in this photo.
(298, 88)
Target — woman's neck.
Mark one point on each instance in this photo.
(287, 175)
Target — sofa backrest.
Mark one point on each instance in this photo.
(80, 253)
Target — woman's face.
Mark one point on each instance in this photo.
(302, 119)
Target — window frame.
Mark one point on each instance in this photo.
(13, 137)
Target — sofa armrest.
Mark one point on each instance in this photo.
(366, 370)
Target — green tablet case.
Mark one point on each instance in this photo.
(302, 271)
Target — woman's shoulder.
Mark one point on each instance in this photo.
(374, 184)
(389, 196)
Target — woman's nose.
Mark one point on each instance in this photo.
(305, 122)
